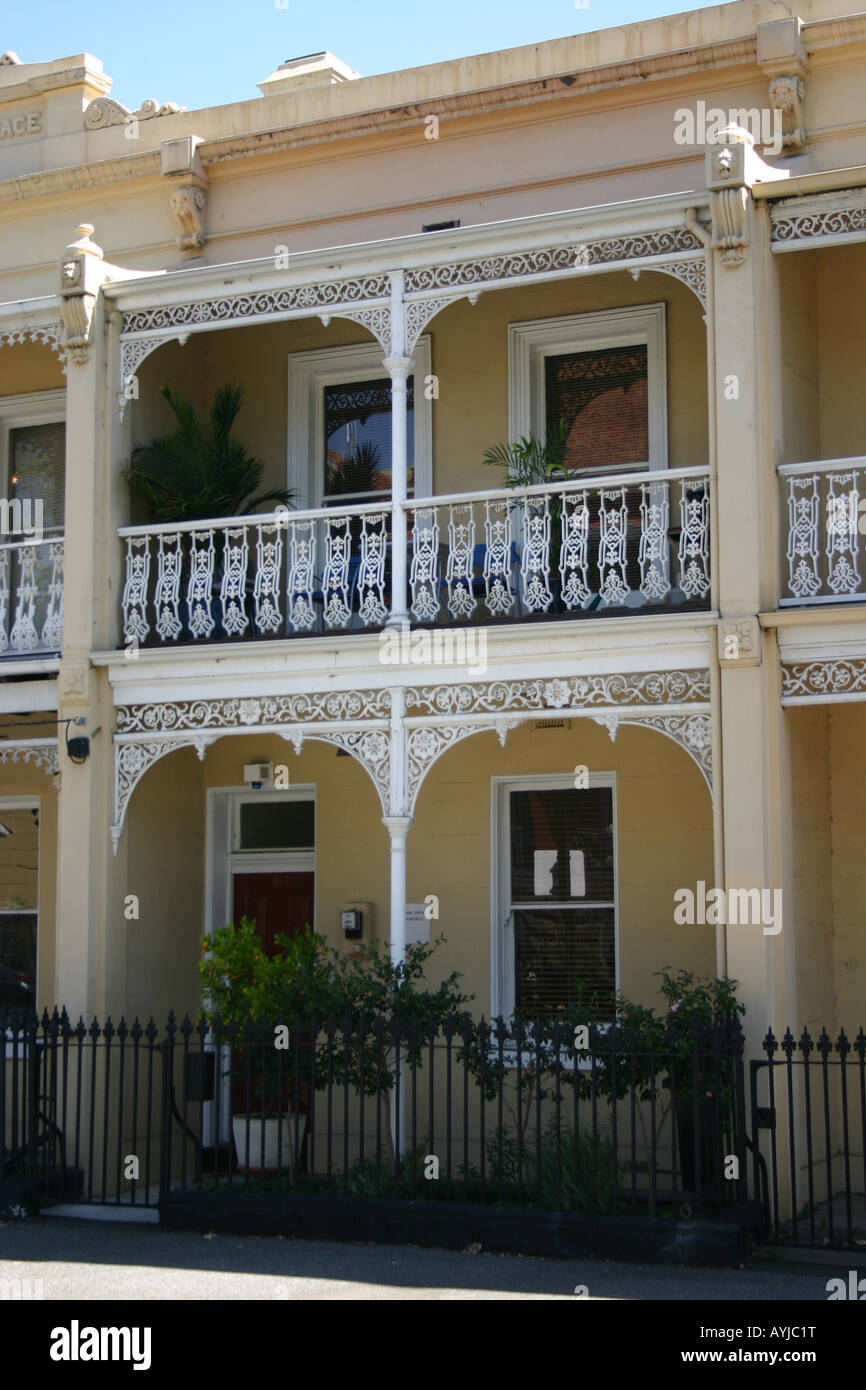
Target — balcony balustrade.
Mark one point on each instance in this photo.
(826, 524)
(594, 546)
(31, 596)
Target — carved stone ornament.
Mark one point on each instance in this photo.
(787, 94)
(9, 59)
(739, 642)
(73, 679)
(728, 211)
(81, 274)
(103, 111)
(188, 206)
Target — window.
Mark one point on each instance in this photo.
(602, 375)
(19, 869)
(276, 825)
(554, 923)
(339, 442)
(357, 424)
(33, 455)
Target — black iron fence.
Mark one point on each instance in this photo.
(532, 1115)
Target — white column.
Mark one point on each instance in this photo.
(397, 823)
(399, 367)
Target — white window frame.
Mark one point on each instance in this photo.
(309, 374)
(25, 803)
(502, 963)
(17, 412)
(529, 344)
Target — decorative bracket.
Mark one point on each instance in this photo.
(782, 57)
(132, 353)
(180, 163)
(81, 274)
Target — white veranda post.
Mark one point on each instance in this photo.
(397, 824)
(399, 367)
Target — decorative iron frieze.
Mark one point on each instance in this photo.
(259, 304)
(252, 712)
(835, 214)
(810, 680)
(644, 688)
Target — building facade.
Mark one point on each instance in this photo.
(549, 721)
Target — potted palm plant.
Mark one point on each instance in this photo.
(263, 1004)
(530, 462)
(200, 471)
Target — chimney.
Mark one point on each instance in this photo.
(313, 70)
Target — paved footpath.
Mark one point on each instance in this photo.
(78, 1259)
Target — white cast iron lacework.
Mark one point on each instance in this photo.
(370, 747)
(826, 507)
(803, 513)
(336, 582)
(843, 576)
(199, 589)
(789, 222)
(535, 569)
(694, 547)
(132, 354)
(36, 571)
(302, 575)
(498, 593)
(693, 732)
(166, 600)
(266, 711)
(461, 555)
(578, 692)
(50, 334)
(41, 752)
(371, 571)
(425, 744)
(233, 585)
(424, 570)
(269, 566)
(653, 555)
(810, 680)
(574, 551)
(324, 294)
(613, 524)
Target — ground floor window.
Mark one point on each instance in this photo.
(555, 921)
(19, 904)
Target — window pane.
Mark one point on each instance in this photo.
(358, 439)
(37, 470)
(277, 824)
(601, 398)
(562, 845)
(557, 950)
(19, 859)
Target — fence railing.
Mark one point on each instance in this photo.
(458, 1110)
(809, 1100)
(825, 526)
(596, 545)
(31, 596)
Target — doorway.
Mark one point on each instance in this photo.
(277, 903)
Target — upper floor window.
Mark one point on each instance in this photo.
(33, 458)
(603, 377)
(339, 433)
(358, 440)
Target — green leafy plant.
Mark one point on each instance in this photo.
(200, 471)
(530, 461)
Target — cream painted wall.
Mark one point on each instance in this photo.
(26, 780)
(469, 356)
(800, 403)
(847, 760)
(812, 858)
(29, 366)
(841, 287)
(664, 842)
(165, 855)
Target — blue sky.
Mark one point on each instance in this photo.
(207, 54)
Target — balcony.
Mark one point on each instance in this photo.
(31, 574)
(600, 546)
(826, 523)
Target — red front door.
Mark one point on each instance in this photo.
(276, 903)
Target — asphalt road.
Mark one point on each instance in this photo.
(105, 1260)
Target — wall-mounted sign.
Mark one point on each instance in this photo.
(25, 123)
(417, 925)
